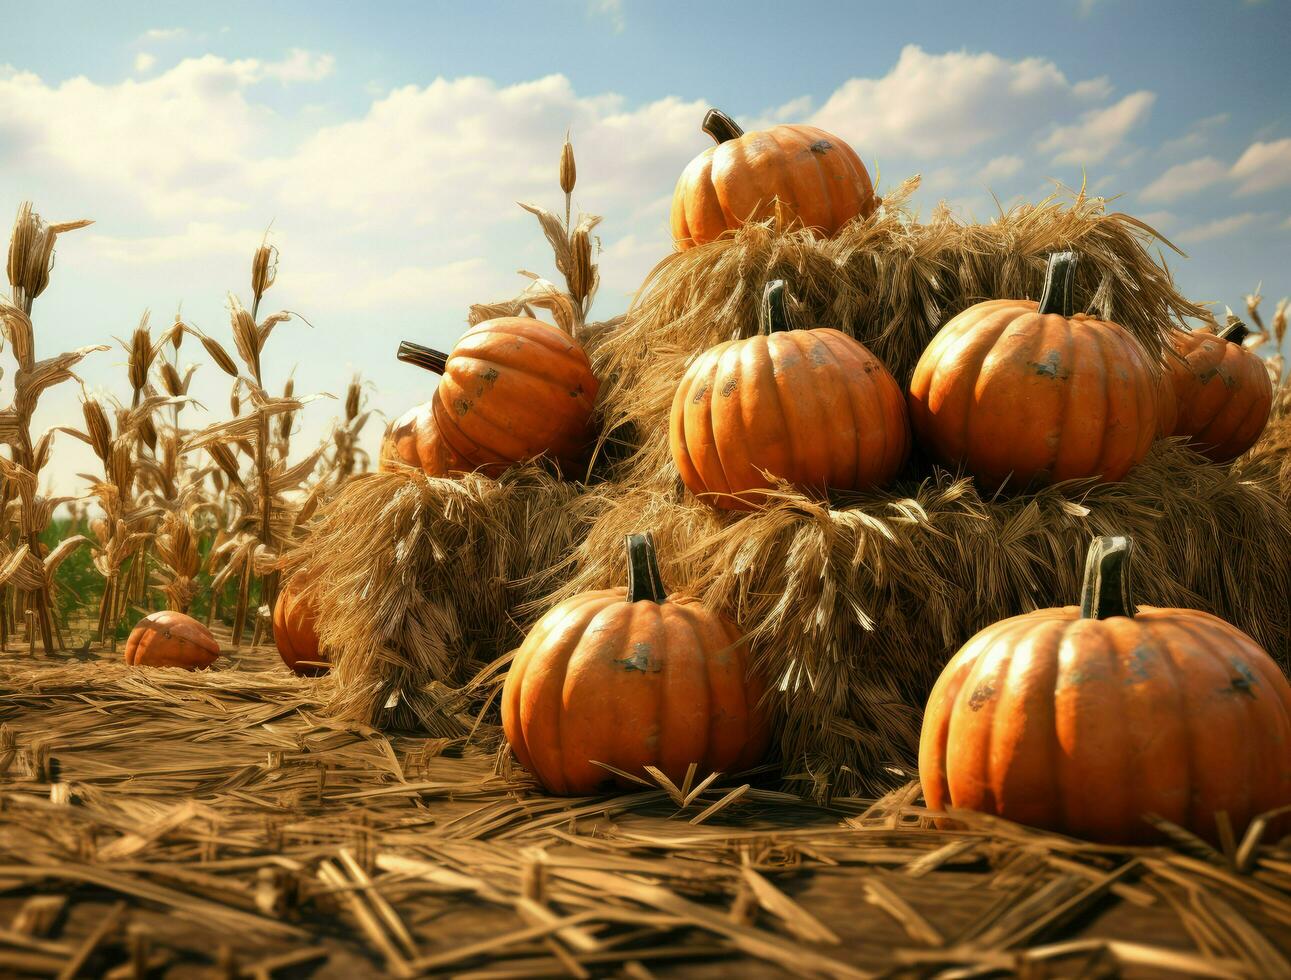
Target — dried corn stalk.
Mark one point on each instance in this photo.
(25, 570)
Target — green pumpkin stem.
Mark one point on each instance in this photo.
(644, 583)
(1235, 331)
(775, 307)
(721, 127)
(1058, 295)
(1106, 591)
(423, 357)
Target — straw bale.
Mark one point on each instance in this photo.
(414, 580)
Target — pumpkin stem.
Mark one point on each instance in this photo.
(1059, 284)
(775, 307)
(423, 357)
(1106, 591)
(644, 583)
(720, 126)
(1235, 331)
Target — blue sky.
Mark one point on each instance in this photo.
(387, 145)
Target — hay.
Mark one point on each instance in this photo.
(857, 608)
(161, 822)
(890, 281)
(415, 579)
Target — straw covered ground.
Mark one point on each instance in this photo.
(855, 607)
(219, 824)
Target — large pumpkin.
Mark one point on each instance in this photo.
(812, 407)
(814, 177)
(171, 639)
(632, 678)
(295, 635)
(414, 440)
(512, 389)
(1027, 393)
(1084, 720)
(1223, 390)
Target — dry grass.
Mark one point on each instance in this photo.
(217, 824)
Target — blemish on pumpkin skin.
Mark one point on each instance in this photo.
(1050, 367)
(821, 146)
(984, 692)
(640, 660)
(728, 389)
(461, 406)
(1205, 377)
(490, 376)
(1244, 683)
(700, 393)
(1138, 665)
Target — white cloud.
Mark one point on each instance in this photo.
(1160, 220)
(197, 240)
(999, 168)
(164, 34)
(143, 62)
(938, 105)
(300, 66)
(1263, 167)
(1185, 178)
(1199, 134)
(1217, 228)
(1099, 131)
(612, 10)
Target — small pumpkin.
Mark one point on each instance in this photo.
(1083, 720)
(295, 635)
(414, 440)
(512, 389)
(814, 178)
(1223, 391)
(171, 639)
(1029, 393)
(812, 407)
(632, 678)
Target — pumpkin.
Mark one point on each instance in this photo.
(1223, 391)
(414, 440)
(632, 678)
(1084, 720)
(1167, 403)
(1028, 393)
(512, 389)
(294, 633)
(171, 639)
(812, 407)
(812, 177)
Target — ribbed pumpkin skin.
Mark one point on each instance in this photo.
(1082, 725)
(631, 684)
(813, 407)
(171, 639)
(817, 178)
(1026, 397)
(414, 440)
(294, 633)
(515, 388)
(1223, 392)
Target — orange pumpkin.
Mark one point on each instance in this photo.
(632, 678)
(814, 178)
(171, 639)
(1223, 391)
(813, 407)
(1083, 720)
(1167, 404)
(512, 389)
(1027, 393)
(414, 440)
(294, 633)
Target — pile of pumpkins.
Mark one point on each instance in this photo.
(1078, 719)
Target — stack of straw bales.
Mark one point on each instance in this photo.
(853, 606)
